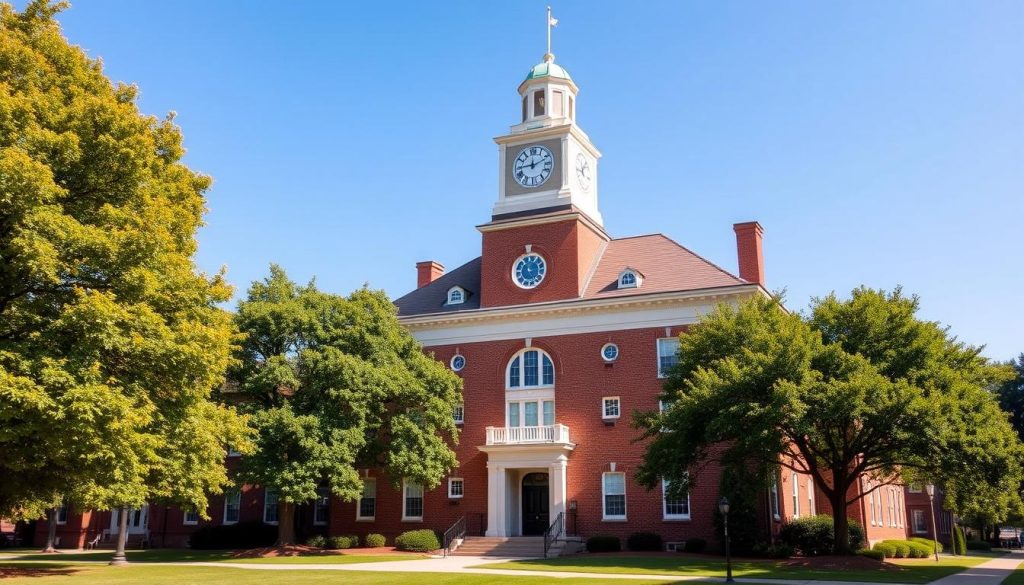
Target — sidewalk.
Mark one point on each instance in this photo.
(989, 573)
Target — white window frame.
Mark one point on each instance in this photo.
(775, 503)
(871, 504)
(370, 481)
(452, 481)
(520, 355)
(812, 509)
(459, 413)
(232, 453)
(913, 520)
(604, 407)
(521, 405)
(796, 495)
(323, 501)
(664, 504)
(266, 505)
(657, 351)
(62, 513)
(185, 518)
(452, 292)
(406, 484)
(235, 495)
(605, 516)
(624, 274)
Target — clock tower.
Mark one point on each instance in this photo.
(546, 233)
(546, 162)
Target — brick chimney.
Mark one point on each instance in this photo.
(427, 272)
(749, 251)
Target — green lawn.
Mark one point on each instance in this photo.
(185, 575)
(898, 571)
(169, 555)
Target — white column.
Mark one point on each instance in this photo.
(557, 483)
(495, 500)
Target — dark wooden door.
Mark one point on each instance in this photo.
(535, 504)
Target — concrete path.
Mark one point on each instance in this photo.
(988, 573)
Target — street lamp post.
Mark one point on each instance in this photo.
(930, 488)
(723, 507)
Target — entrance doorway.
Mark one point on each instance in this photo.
(137, 520)
(535, 504)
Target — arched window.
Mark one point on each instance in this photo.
(456, 295)
(530, 368)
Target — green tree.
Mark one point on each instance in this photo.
(336, 384)
(110, 339)
(1011, 394)
(859, 387)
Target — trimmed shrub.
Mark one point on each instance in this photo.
(353, 540)
(959, 541)
(241, 535)
(902, 548)
(978, 545)
(375, 540)
(931, 544)
(695, 545)
(886, 548)
(918, 550)
(316, 541)
(644, 541)
(815, 535)
(872, 554)
(772, 551)
(603, 544)
(417, 541)
(339, 542)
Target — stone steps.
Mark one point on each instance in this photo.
(490, 546)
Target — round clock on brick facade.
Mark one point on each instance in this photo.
(458, 362)
(533, 165)
(529, 270)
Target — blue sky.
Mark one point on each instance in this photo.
(878, 143)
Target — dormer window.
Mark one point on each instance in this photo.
(538, 103)
(456, 295)
(630, 278)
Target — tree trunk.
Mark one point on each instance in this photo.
(285, 523)
(840, 523)
(122, 538)
(51, 531)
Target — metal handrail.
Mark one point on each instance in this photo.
(456, 532)
(554, 532)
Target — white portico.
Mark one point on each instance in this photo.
(526, 478)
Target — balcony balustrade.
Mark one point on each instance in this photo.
(557, 433)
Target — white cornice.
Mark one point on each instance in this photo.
(550, 132)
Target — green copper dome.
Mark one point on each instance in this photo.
(548, 69)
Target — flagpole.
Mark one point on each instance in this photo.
(549, 30)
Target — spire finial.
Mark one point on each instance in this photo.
(552, 22)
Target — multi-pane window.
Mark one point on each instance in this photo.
(456, 296)
(674, 509)
(191, 518)
(531, 413)
(232, 506)
(456, 487)
(412, 501)
(796, 495)
(627, 280)
(270, 507)
(368, 501)
(614, 490)
(531, 368)
(917, 516)
(459, 414)
(548, 408)
(611, 407)
(62, 513)
(513, 414)
(668, 350)
(774, 499)
(321, 507)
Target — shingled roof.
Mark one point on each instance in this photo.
(666, 267)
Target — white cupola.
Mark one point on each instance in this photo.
(548, 97)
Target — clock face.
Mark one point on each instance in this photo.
(583, 171)
(533, 166)
(529, 270)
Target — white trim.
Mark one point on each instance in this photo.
(796, 494)
(773, 494)
(664, 505)
(657, 351)
(451, 363)
(606, 346)
(812, 508)
(522, 370)
(367, 481)
(233, 495)
(459, 413)
(638, 279)
(604, 501)
(63, 510)
(186, 522)
(456, 290)
(266, 498)
(913, 521)
(604, 407)
(545, 266)
(452, 495)
(406, 484)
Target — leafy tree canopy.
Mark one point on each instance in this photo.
(859, 387)
(336, 385)
(110, 339)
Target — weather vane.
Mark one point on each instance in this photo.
(552, 22)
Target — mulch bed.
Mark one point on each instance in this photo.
(854, 562)
(309, 551)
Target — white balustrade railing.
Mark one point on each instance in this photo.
(557, 433)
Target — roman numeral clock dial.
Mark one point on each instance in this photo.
(533, 166)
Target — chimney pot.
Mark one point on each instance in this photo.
(427, 272)
(749, 250)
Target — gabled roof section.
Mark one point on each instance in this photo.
(665, 266)
(433, 298)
